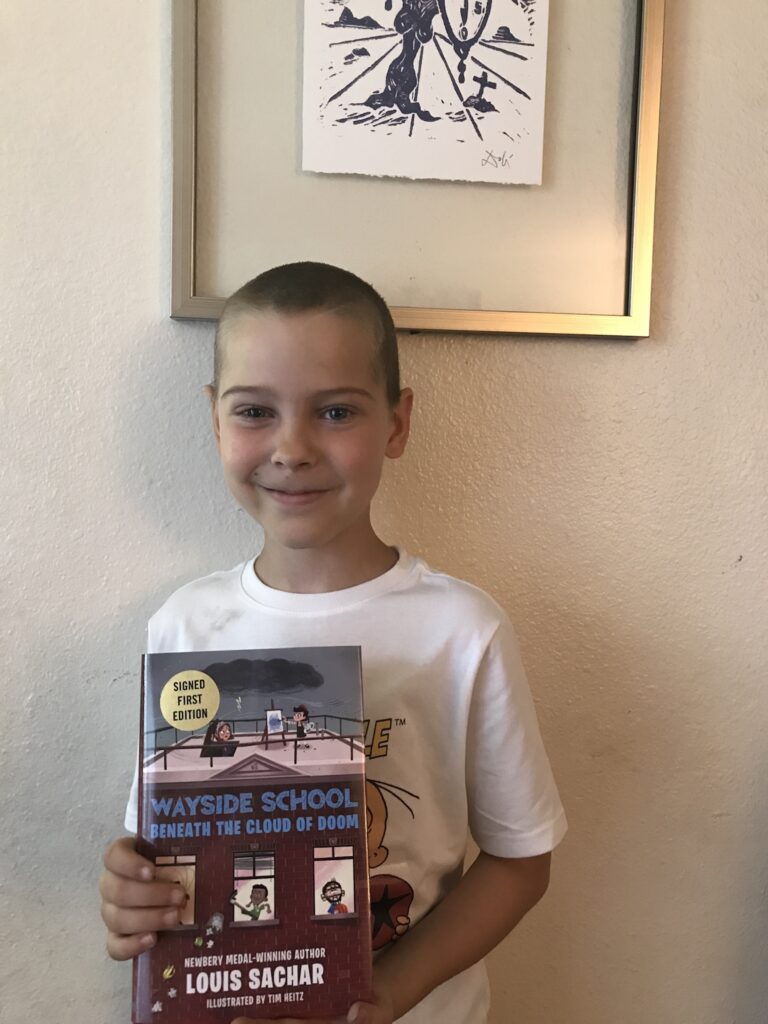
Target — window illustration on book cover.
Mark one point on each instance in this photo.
(252, 800)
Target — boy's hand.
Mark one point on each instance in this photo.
(379, 1011)
(133, 905)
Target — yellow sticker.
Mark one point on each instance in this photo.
(189, 700)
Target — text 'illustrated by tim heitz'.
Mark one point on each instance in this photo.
(450, 89)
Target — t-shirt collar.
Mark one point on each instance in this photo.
(334, 600)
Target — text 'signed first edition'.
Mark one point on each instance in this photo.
(252, 801)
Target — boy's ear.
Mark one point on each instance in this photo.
(210, 391)
(401, 425)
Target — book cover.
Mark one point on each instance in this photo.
(252, 799)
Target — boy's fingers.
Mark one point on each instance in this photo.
(122, 859)
(120, 921)
(125, 947)
(293, 1020)
(125, 893)
(359, 1013)
(368, 1013)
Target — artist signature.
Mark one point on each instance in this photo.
(492, 159)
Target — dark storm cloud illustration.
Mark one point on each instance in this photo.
(270, 676)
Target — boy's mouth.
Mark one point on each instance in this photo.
(293, 497)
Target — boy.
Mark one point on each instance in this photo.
(333, 894)
(307, 405)
(300, 717)
(257, 905)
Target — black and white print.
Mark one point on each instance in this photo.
(441, 89)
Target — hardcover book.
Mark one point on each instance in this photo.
(252, 800)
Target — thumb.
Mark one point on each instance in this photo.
(363, 1013)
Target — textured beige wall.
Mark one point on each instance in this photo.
(611, 495)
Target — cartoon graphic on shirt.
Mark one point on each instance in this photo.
(391, 896)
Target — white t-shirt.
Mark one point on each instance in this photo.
(451, 726)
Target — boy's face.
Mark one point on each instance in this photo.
(303, 426)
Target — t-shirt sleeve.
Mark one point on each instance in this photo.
(514, 806)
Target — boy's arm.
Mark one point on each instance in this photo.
(491, 898)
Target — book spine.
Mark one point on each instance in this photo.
(142, 965)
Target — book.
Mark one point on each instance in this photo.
(252, 800)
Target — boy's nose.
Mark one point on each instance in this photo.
(293, 448)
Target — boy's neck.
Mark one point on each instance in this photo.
(321, 571)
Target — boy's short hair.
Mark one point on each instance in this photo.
(305, 286)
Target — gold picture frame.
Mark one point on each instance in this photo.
(634, 322)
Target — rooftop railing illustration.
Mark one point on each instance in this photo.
(157, 743)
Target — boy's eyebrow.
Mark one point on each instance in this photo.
(245, 389)
(329, 392)
(270, 393)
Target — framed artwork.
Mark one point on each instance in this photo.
(463, 239)
(442, 90)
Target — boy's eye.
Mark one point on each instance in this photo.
(337, 413)
(253, 412)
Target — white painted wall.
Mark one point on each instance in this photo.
(611, 495)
